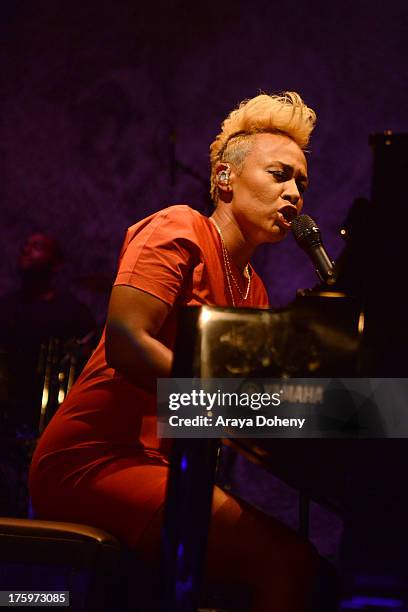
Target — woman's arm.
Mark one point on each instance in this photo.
(134, 320)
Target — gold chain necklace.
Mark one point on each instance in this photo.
(228, 271)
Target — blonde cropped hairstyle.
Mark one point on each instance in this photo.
(277, 114)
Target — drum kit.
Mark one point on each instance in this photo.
(59, 363)
(29, 399)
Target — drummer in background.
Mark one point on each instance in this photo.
(30, 316)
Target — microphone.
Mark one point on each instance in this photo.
(308, 237)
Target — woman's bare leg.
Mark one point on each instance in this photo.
(249, 551)
(246, 547)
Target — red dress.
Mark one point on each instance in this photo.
(99, 461)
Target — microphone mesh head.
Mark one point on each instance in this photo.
(306, 231)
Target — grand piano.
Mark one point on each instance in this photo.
(353, 328)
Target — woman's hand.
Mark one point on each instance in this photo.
(134, 320)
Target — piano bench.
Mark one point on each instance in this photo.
(40, 556)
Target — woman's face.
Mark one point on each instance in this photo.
(268, 191)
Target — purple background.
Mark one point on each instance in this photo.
(95, 92)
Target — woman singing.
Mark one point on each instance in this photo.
(99, 461)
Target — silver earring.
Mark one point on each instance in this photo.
(223, 176)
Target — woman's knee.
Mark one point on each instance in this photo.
(242, 536)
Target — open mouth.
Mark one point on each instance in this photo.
(286, 214)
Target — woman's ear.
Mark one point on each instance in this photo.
(223, 181)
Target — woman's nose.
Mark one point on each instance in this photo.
(291, 192)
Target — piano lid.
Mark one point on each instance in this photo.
(317, 335)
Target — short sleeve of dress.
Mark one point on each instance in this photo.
(159, 252)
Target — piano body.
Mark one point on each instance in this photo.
(319, 335)
(323, 333)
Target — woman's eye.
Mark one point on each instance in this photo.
(278, 173)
